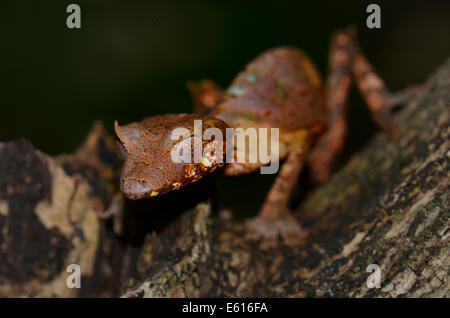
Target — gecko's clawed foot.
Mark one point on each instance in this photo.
(284, 227)
(400, 98)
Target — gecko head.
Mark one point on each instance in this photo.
(158, 153)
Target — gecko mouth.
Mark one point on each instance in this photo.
(136, 189)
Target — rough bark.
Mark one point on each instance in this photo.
(49, 219)
(388, 206)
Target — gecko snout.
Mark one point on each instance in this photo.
(136, 189)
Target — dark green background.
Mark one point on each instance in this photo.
(131, 59)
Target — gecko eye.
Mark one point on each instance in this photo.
(120, 151)
(183, 149)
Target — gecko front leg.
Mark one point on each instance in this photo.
(274, 218)
(205, 94)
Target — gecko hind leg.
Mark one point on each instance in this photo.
(347, 63)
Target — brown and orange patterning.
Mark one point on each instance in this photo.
(282, 89)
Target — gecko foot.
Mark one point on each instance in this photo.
(285, 227)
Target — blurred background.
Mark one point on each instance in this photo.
(131, 59)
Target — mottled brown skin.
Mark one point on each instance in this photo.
(281, 88)
(146, 147)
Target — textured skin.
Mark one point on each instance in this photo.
(280, 88)
(146, 149)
